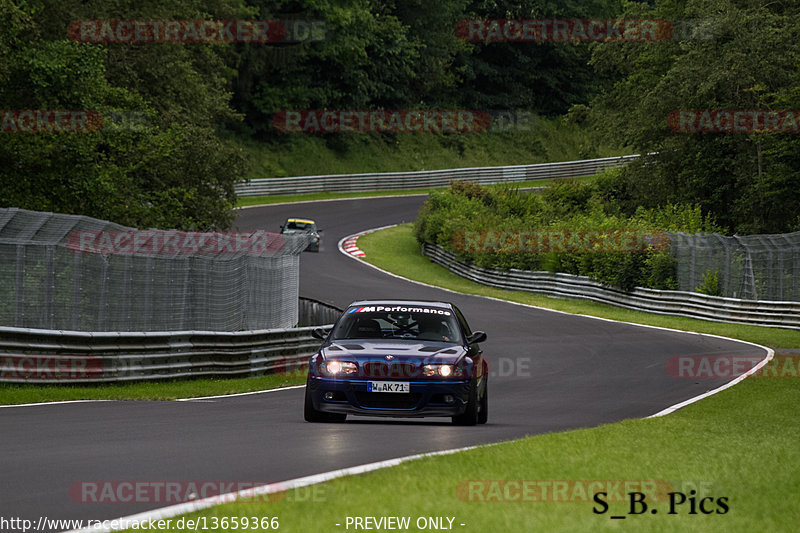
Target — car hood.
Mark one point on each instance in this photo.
(403, 351)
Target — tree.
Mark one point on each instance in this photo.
(158, 160)
(735, 55)
(544, 77)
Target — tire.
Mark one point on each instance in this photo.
(312, 415)
(483, 406)
(470, 416)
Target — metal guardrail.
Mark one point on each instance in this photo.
(680, 303)
(67, 357)
(315, 313)
(422, 179)
(71, 357)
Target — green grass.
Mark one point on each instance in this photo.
(310, 197)
(12, 394)
(396, 250)
(309, 155)
(740, 444)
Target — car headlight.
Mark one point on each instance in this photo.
(444, 371)
(339, 368)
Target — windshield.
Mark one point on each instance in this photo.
(397, 322)
(300, 226)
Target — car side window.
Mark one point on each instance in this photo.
(463, 322)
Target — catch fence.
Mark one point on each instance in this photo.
(67, 272)
(751, 267)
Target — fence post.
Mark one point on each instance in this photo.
(49, 286)
(19, 283)
(77, 284)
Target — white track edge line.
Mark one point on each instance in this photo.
(265, 391)
(671, 409)
(175, 400)
(62, 402)
(197, 505)
(188, 507)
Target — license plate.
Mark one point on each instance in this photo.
(388, 386)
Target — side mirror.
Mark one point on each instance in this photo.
(477, 336)
(320, 230)
(319, 333)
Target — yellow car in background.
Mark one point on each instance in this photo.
(303, 225)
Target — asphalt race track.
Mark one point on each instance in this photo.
(552, 372)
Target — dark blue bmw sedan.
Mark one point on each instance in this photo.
(398, 358)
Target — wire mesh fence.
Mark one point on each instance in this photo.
(69, 272)
(752, 267)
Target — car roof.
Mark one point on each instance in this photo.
(302, 220)
(405, 303)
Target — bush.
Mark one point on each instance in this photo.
(566, 197)
(662, 269)
(569, 206)
(710, 285)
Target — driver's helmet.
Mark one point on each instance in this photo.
(433, 328)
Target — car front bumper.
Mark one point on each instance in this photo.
(427, 398)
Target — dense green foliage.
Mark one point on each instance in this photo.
(738, 55)
(405, 54)
(158, 160)
(178, 114)
(175, 114)
(569, 207)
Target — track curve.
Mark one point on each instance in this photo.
(553, 372)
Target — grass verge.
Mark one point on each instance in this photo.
(396, 250)
(739, 445)
(12, 394)
(549, 139)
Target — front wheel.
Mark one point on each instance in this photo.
(470, 416)
(483, 406)
(312, 415)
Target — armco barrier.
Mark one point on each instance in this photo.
(315, 313)
(681, 303)
(45, 356)
(386, 181)
(51, 356)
